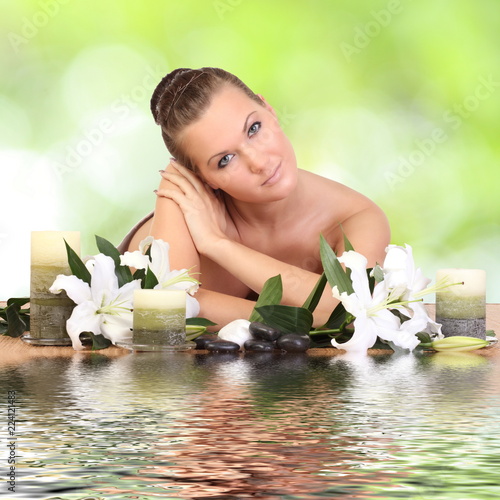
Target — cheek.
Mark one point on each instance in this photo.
(221, 180)
(273, 135)
(268, 137)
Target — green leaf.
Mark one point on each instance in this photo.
(347, 244)
(288, 319)
(150, 281)
(271, 294)
(123, 273)
(199, 322)
(21, 301)
(378, 274)
(99, 341)
(139, 274)
(424, 338)
(14, 321)
(371, 280)
(315, 296)
(76, 265)
(334, 272)
(16, 326)
(337, 317)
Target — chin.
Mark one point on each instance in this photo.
(285, 188)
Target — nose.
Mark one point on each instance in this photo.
(258, 161)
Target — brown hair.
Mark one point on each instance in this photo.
(181, 98)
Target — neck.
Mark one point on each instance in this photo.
(265, 215)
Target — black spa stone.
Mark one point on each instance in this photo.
(222, 346)
(258, 345)
(293, 342)
(264, 332)
(202, 341)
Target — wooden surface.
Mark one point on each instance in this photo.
(15, 351)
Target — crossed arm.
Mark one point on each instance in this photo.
(190, 215)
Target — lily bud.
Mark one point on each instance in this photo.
(458, 343)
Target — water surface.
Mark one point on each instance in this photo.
(267, 426)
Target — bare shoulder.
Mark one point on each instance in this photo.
(346, 211)
(341, 200)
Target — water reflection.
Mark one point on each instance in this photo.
(263, 425)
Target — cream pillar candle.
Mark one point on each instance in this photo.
(49, 312)
(159, 317)
(461, 309)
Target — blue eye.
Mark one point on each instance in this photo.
(224, 161)
(254, 128)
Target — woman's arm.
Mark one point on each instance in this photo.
(201, 213)
(360, 217)
(361, 220)
(221, 308)
(369, 233)
(169, 225)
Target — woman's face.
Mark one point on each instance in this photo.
(238, 146)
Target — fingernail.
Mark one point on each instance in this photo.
(155, 191)
(161, 171)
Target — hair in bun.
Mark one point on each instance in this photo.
(181, 98)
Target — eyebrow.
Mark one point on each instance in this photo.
(245, 126)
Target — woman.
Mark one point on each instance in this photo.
(234, 206)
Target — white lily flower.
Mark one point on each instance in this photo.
(372, 316)
(237, 331)
(403, 279)
(103, 307)
(400, 274)
(159, 263)
(419, 314)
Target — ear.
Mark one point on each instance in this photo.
(267, 106)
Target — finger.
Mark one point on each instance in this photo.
(190, 186)
(184, 184)
(172, 194)
(184, 201)
(188, 174)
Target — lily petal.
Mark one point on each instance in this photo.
(145, 244)
(134, 259)
(357, 264)
(363, 338)
(117, 328)
(104, 281)
(76, 289)
(160, 262)
(192, 307)
(84, 318)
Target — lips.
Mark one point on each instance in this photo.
(274, 178)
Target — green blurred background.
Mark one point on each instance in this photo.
(397, 99)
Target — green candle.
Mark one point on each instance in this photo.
(159, 317)
(461, 308)
(49, 312)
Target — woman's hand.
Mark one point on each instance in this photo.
(203, 211)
